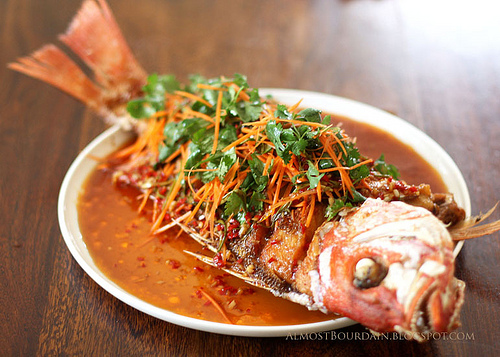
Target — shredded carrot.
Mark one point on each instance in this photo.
(303, 211)
(217, 306)
(241, 177)
(209, 87)
(199, 192)
(267, 164)
(288, 189)
(193, 97)
(155, 210)
(197, 207)
(200, 170)
(190, 113)
(173, 193)
(232, 171)
(292, 121)
(238, 141)
(161, 113)
(286, 200)
(231, 185)
(292, 171)
(369, 161)
(346, 180)
(168, 170)
(242, 95)
(332, 169)
(278, 186)
(173, 155)
(364, 184)
(150, 140)
(318, 191)
(295, 106)
(336, 138)
(216, 201)
(279, 167)
(144, 200)
(217, 122)
(147, 241)
(311, 211)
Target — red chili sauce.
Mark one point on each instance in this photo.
(157, 270)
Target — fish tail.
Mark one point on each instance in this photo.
(95, 38)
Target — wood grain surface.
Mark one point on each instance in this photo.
(434, 63)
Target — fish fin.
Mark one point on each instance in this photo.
(476, 231)
(470, 227)
(208, 260)
(204, 241)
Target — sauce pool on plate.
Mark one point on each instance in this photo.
(157, 270)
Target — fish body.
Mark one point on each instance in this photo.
(345, 238)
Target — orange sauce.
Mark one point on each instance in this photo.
(372, 142)
(157, 270)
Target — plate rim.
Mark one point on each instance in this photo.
(68, 217)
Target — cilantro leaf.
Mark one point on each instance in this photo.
(340, 203)
(211, 174)
(282, 112)
(248, 111)
(325, 164)
(298, 147)
(313, 175)
(359, 173)
(154, 96)
(195, 156)
(140, 108)
(227, 135)
(352, 158)
(256, 203)
(259, 177)
(327, 120)
(357, 197)
(194, 80)
(158, 85)
(293, 140)
(311, 115)
(178, 133)
(335, 207)
(386, 169)
(166, 151)
(226, 162)
(273, 132)
(235, 203)
(240, 80)
(204, 139)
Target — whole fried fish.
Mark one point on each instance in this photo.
(280, 195)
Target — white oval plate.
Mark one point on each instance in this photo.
(114, 137)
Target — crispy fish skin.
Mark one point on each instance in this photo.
(442, 205)
(287, 247)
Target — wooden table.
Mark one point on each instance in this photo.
(435, 64)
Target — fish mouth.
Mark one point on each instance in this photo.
(435, 309)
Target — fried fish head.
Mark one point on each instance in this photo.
(389, 266)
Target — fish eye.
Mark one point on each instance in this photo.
(369, 273)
